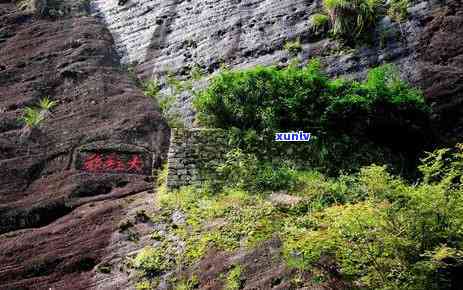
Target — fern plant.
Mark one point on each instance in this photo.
(32, 117)
(47, 104)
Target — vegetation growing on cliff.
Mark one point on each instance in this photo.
(382, 232)
(34, 115)
(398, 9)
(351, 18)
(344, 116)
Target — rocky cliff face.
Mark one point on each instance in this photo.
(174, 36)
(58, 218)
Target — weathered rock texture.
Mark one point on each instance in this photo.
(192, 155)
(175, 35)
(56, 220)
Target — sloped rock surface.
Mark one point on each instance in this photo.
(55, 218)
(176, 35)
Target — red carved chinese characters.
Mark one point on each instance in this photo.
(93, 163)
(135, 163)
(112, 163)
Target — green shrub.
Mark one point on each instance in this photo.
(355, 122)
(319, 22)
(233, 281)
(398, 10)
(266, 98)
(47, 104)
(151, 89)
(351, 18)
(293, 47)
(443, 166)
(394, 235)
(34, 115)
(143, 285)
(243, 170)
(151, 261)
(262, 97)
(379, 231)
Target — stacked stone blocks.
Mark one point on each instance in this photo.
(193, 154)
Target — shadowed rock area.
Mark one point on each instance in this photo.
(57, 218)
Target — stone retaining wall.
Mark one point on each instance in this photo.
(193, 154)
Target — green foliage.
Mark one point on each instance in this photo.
(151, 89)
(233, 281)
(143, 285)
(47, 104)
(32, 117)
(319, 22)
(444, 166)
(398, 10)
(266, 98)
(351, 18)
(243, 170)
(342, 114)
(393, 236)
(293, 47)
(380, 231)
(259, 98)
(151, 261)
(190, 284)
(196, 73)
(241, 219)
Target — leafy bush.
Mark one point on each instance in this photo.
(393, 236)
(151, 261)
(319, 22)
(47, 104)
(34, 115)
(293, 47)
(243, 170)
(266, 98)
(233, 281)
(398, 9)
(366, 120)
(151, 89)
(380, 231)
(263, 98)
(351, 18)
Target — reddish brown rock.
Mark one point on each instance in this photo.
(55, 218)
(440, 53)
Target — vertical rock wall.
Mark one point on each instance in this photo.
(174, 36)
